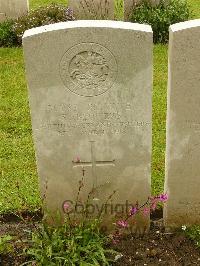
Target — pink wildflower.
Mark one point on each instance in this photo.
(123, 224)
(116, 237)
(66, 206)
(133, 211)
(115, 241)
(163, 197)
(153, 203)
(146, 211)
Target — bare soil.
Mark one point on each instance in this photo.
(158, 248)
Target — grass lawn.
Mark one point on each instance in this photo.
(17, 167)
(159, 117)
(195, 7)
(18, 176)
(36, 3)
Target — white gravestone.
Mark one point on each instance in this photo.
(13, 8)
(183, 126)
(90, 88)
(92, 9)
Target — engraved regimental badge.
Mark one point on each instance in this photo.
(88, 69)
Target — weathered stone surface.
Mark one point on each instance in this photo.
(92, 9)
(2, 17)
(128, 8)
(13, 8)
(90, 96)
(183, 126)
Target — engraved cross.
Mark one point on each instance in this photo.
(94, 163)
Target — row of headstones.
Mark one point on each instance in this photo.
(13, 8)
(98, 9)
(83, 9)
(90, 87)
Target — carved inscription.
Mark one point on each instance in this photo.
(94, 164)
(67, 119)
(188, 207)
(88, 69)
(192, 142)
(193, 125)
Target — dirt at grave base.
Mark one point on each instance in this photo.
(155, 248)
(158, 248)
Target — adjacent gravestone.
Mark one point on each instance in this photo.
(129, 7)
(13, 8)
(90, 88)
(183, 126)
(92, 9)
